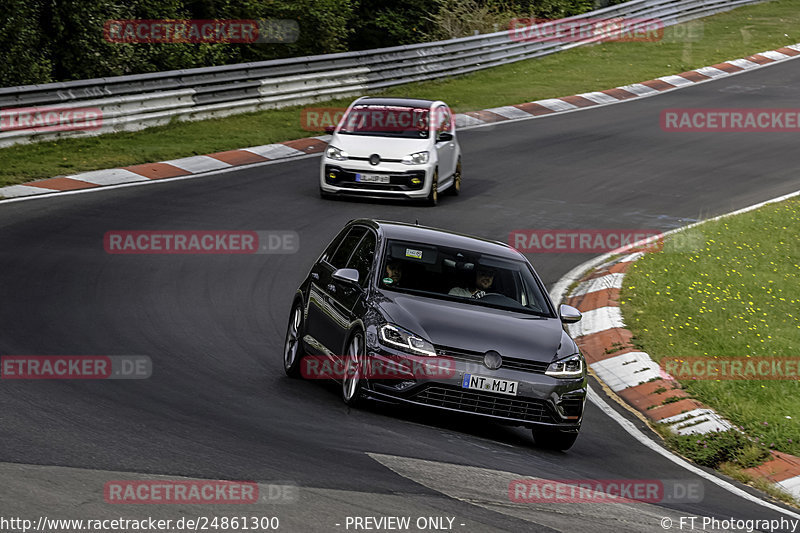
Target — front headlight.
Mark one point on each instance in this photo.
(569, 367)
(397, 337)
(335, 153)
(419, 158)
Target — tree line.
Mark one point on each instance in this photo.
(44, 41)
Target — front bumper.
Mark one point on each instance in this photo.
(405, 181)
(541, 401)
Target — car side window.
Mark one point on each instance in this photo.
(363, 257)
(334, 244)
(443, 119)
(348, 244)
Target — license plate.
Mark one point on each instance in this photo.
(372, 178)
(486, 384)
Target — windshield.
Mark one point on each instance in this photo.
(387, 121)
(454, 274)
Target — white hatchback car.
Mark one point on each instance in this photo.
(393, 148)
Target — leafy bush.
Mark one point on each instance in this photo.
(45, 40)
(23, 55)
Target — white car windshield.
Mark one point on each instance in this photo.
(449, 273)
(387, 121)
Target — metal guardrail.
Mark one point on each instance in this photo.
(134, 102)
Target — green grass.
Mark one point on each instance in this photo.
(738, 33)
(728, 288)
(715, 449)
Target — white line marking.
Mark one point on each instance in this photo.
(711, 422)
(112, 176)
(639, 90)
(627, 370)
(631, 258)
(646, 441)
(597, 320)
(678, 81)
(599, 98)
(609, 281)
(556, 104)
(509, 111)
(772, 54)
(273, 151)
(465, 121)
(198, 163)
(744, 63)
(791, 485)
(12, 191)
(711, 72)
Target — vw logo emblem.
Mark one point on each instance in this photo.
(492, 360)
(374, 159)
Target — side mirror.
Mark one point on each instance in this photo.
(330, 129)
(348, 276)
(444, 137)
(568, 314)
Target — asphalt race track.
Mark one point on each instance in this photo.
(218, 405)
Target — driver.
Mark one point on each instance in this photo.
(394, 272)
(484, 277)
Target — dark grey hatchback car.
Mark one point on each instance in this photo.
(439, 319)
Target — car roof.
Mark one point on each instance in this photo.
(399, 102)
(440, 237)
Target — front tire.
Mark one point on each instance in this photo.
(554, 439)
(433, 196)
(293, 351)
(354, 371)
(455, 188)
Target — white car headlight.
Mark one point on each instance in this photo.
(569, 367)
(336, 153)
(419, 158)
(398, 337)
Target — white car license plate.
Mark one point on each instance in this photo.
(372, 178)
(501, 386)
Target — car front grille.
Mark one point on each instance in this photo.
(470, 401)
(572, 407)
(398, 181)
(510, 363)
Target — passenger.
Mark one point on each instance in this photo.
(394, 273)
(484, 277)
